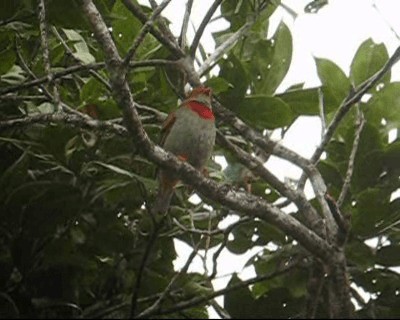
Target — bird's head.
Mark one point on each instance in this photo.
(202, 95)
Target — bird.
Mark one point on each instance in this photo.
(189, 133)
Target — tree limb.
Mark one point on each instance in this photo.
(202, 27)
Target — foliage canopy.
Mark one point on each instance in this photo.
(77, 239)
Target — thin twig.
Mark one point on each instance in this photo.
(360, 122)
(71, 54)
(143, 262)
(217, 253)
(203, 299)
(185, 23)
(321, 111)
(46, 92)
(197, 231)
(78, 68)
(166, 41)
(156, 306)
(46, 54)
(224, 47)
(143, 32)
(74, 120)
(202, 27)
(163, 26)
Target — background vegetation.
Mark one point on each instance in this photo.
(84, 88)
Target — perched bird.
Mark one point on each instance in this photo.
(189, 133)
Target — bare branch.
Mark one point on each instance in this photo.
(156, 306)
(79, 68)
(143, 32)
(360, 122)
(73, 120)
(143, 262)
(224, 242)
(224, 47)
(321, 112)
(203, 299)
(185, 23)
(202, 27)
(71, 54)
(46, 54)
(163, 26)
(166, 41)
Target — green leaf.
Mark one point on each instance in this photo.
(360, 254)
(15, 75)
(391, 157)
(82, 52)
(7, 60)
(369, 58)
(334, 81)
(242, 238)
(371, 210)
(388, 256)
(266, 112)
(129, 174)
(8, 8)
(66, 14)
(218, 84)
(273, 67)
(125, 28)
(385, 104)
(15, 174)
(233, 72)
(302, 102)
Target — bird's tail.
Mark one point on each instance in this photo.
(163, 199)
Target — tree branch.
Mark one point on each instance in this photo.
(203, 299)
(224, 47)
(156, 306)
(257, 167)
(185, 23)
(360, 122)
(46, 54)
(143, 32)
(202, 27)
(78, 68)
(346, 105)
(138, 13)
(71, 54)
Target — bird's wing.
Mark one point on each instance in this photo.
(166, 127)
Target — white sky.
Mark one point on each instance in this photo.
(335, 33)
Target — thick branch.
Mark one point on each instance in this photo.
(260, 170)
